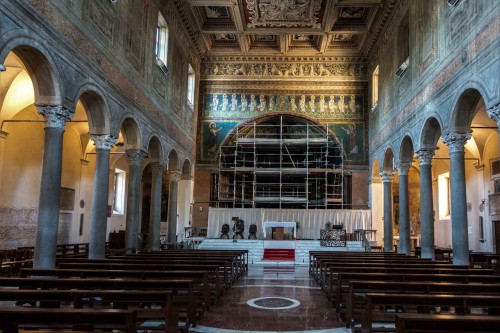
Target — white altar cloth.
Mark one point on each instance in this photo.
(277, 224)
(311, 221)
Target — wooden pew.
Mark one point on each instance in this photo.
(227, 266)
(121, 299)
(387, 266)
(355, 301)
(331, 284)
(200, 277)
(185, 301)
(377, 301)
(438, 323)
(12, 318)
(222, 280)
(229, 263)
(341, 287)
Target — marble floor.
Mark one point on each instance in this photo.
(273, 299)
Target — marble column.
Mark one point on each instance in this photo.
(494, 113)
(99, 214)
(459, 228)
(155, 206)
(173, 189)
(426, 204)
(134, 157)
(387, 177)
(50, 188)
(404, 209)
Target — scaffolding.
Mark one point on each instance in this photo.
(281, 164)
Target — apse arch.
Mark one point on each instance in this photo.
(289, 118)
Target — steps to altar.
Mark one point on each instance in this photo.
(256, 249)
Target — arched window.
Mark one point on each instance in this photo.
(161, 45)
(191, 84)
(375, 87)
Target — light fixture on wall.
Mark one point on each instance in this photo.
(2, 68)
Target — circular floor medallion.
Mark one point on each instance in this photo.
(273, 303)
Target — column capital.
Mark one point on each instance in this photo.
(175, 175)
(425, 155)
(404, 167)
(103, 141)
(456, 141)
(135, 156)
(494, 112)
(55, 116)
(157, 167)
(387, 176)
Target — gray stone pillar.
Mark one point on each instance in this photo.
(494, 113)
(155, 206)
(174, 177)
(404, 209)
(50, 189)
(134, 157)
(99, 213)
(459, 228)
(387, 177)
(426, 204)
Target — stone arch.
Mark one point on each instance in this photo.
(388, 165)
(173, 160)
(186, 168)
(430, 134)
(131, 133)
(39, 65)
(155, 149)
(464, 110)
(96, 107)
(406, 150)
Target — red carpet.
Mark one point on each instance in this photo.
(279, 254)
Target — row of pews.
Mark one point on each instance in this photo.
(390, 292)
(12, 260)
(167, 291)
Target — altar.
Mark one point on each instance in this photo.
(277, 224)
(311, 221)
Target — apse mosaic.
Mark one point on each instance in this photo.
(233, 105)
(213, 134)
(352, 137)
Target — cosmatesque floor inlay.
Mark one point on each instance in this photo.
(281, 299)
(273, 303)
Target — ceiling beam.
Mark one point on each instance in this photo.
(244, 43)
(284, 43)
(210, 2)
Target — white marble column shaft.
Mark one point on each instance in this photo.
(174, 177)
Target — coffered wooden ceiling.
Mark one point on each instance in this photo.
(288, 27)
